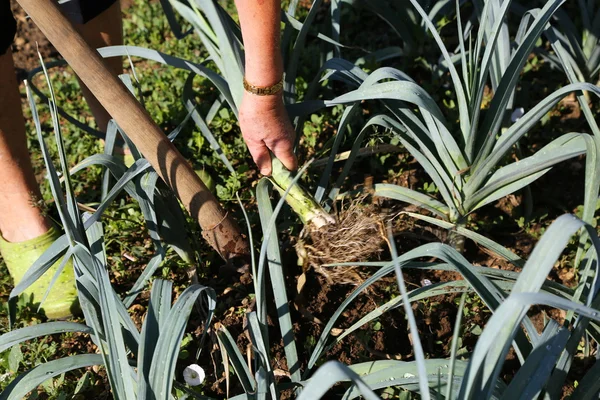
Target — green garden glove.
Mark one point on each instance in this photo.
(62, 300)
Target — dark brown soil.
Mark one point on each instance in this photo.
(28, 41)
(389, 339)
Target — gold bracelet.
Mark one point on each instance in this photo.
(263, 90)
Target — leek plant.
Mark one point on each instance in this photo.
(465, 155)
(466, 160)
(222, 39)
(469, 169)
(546, 357)
(163, 215)
(139, 364)
(304, 205)
(581, 42)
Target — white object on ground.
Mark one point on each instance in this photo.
(193, 375)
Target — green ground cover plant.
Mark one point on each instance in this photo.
(518, 328)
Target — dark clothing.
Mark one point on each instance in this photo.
(78, 11)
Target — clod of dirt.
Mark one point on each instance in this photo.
(357, 235)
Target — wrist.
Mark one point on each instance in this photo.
(266, 70)
(258, 104)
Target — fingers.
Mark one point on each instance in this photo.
(262, 157)
(266, 128)
(284, 151)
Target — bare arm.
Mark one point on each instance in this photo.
(263, 119)
(260, 20)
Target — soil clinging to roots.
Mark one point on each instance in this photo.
(357, 235)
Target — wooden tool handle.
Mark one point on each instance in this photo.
(219, 229)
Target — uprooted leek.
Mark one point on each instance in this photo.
(353, 234)
(303, 204)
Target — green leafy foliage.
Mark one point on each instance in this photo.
(461, 138)
(107, 320)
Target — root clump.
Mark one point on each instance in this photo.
(357, 235)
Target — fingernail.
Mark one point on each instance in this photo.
(265, 171)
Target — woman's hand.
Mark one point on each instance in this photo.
(266, 127)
